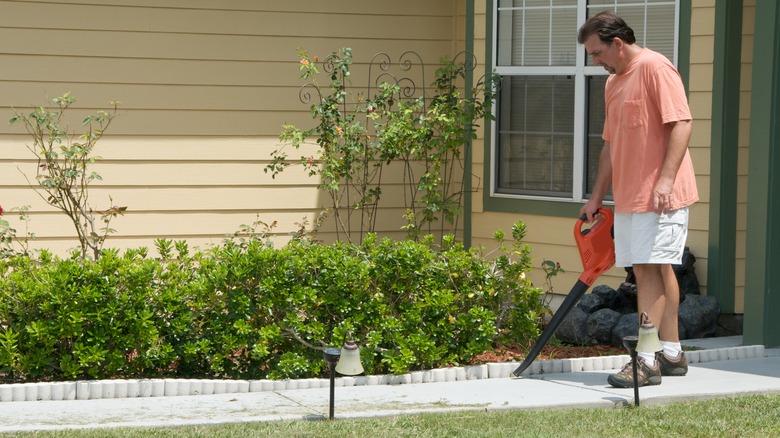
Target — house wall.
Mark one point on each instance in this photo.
(551, 237)
(205, 86)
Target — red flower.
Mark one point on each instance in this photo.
(1, 210)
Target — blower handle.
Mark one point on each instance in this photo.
(596, 245)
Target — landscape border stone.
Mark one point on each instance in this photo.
(139, 388)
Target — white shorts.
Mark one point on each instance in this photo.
(649, 238)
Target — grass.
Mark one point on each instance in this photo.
(742, 416)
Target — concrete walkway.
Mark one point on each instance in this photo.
(722, 368)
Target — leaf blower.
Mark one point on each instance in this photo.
(597, 251)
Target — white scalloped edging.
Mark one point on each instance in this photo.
(131, 388)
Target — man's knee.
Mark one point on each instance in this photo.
(642, 271)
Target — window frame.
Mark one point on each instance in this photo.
(495, 201)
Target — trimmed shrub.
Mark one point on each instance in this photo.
(252, 311)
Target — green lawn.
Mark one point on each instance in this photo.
(743, 416)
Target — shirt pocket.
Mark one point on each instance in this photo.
(633, 113)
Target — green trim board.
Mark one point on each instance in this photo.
(532, 206)
(563, 208)
(468, 153)
(724, 153)
(762, 277)
(488, 202)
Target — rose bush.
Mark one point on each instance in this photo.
(361, 133)
(64, 171)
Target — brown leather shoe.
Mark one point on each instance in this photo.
(672, 366)
(646, 375)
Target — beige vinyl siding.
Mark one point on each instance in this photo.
(205, 86)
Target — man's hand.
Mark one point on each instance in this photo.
(590, 208)
(662, 195)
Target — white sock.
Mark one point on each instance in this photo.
(648, 357)
(671, 349)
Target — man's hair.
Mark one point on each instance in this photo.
(608, 26)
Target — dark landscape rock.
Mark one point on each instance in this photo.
(574, 328)
(606, 315)
(600, 324)
(699, 315)
(591, 303)
(627, 325)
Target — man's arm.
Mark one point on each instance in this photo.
(601, 186)
(675, 152)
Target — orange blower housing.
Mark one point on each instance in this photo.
(596, 245)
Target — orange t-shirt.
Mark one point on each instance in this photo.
(640, 103)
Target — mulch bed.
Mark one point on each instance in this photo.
(517, 352)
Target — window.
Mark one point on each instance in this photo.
(550, 109)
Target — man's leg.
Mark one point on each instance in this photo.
(658, 294)
(651, 298)
(668, 329)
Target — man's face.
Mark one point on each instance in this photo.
(603, 54)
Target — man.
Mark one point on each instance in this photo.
(645, 158)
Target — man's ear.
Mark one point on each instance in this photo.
(617, 41)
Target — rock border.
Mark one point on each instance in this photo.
(139, 388)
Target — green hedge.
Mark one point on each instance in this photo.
(247, 310)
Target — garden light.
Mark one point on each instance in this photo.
(346, 362)
(349, 364)
(646, 342)
(648, 336)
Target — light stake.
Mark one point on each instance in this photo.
(630, 342)
(331, 356)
